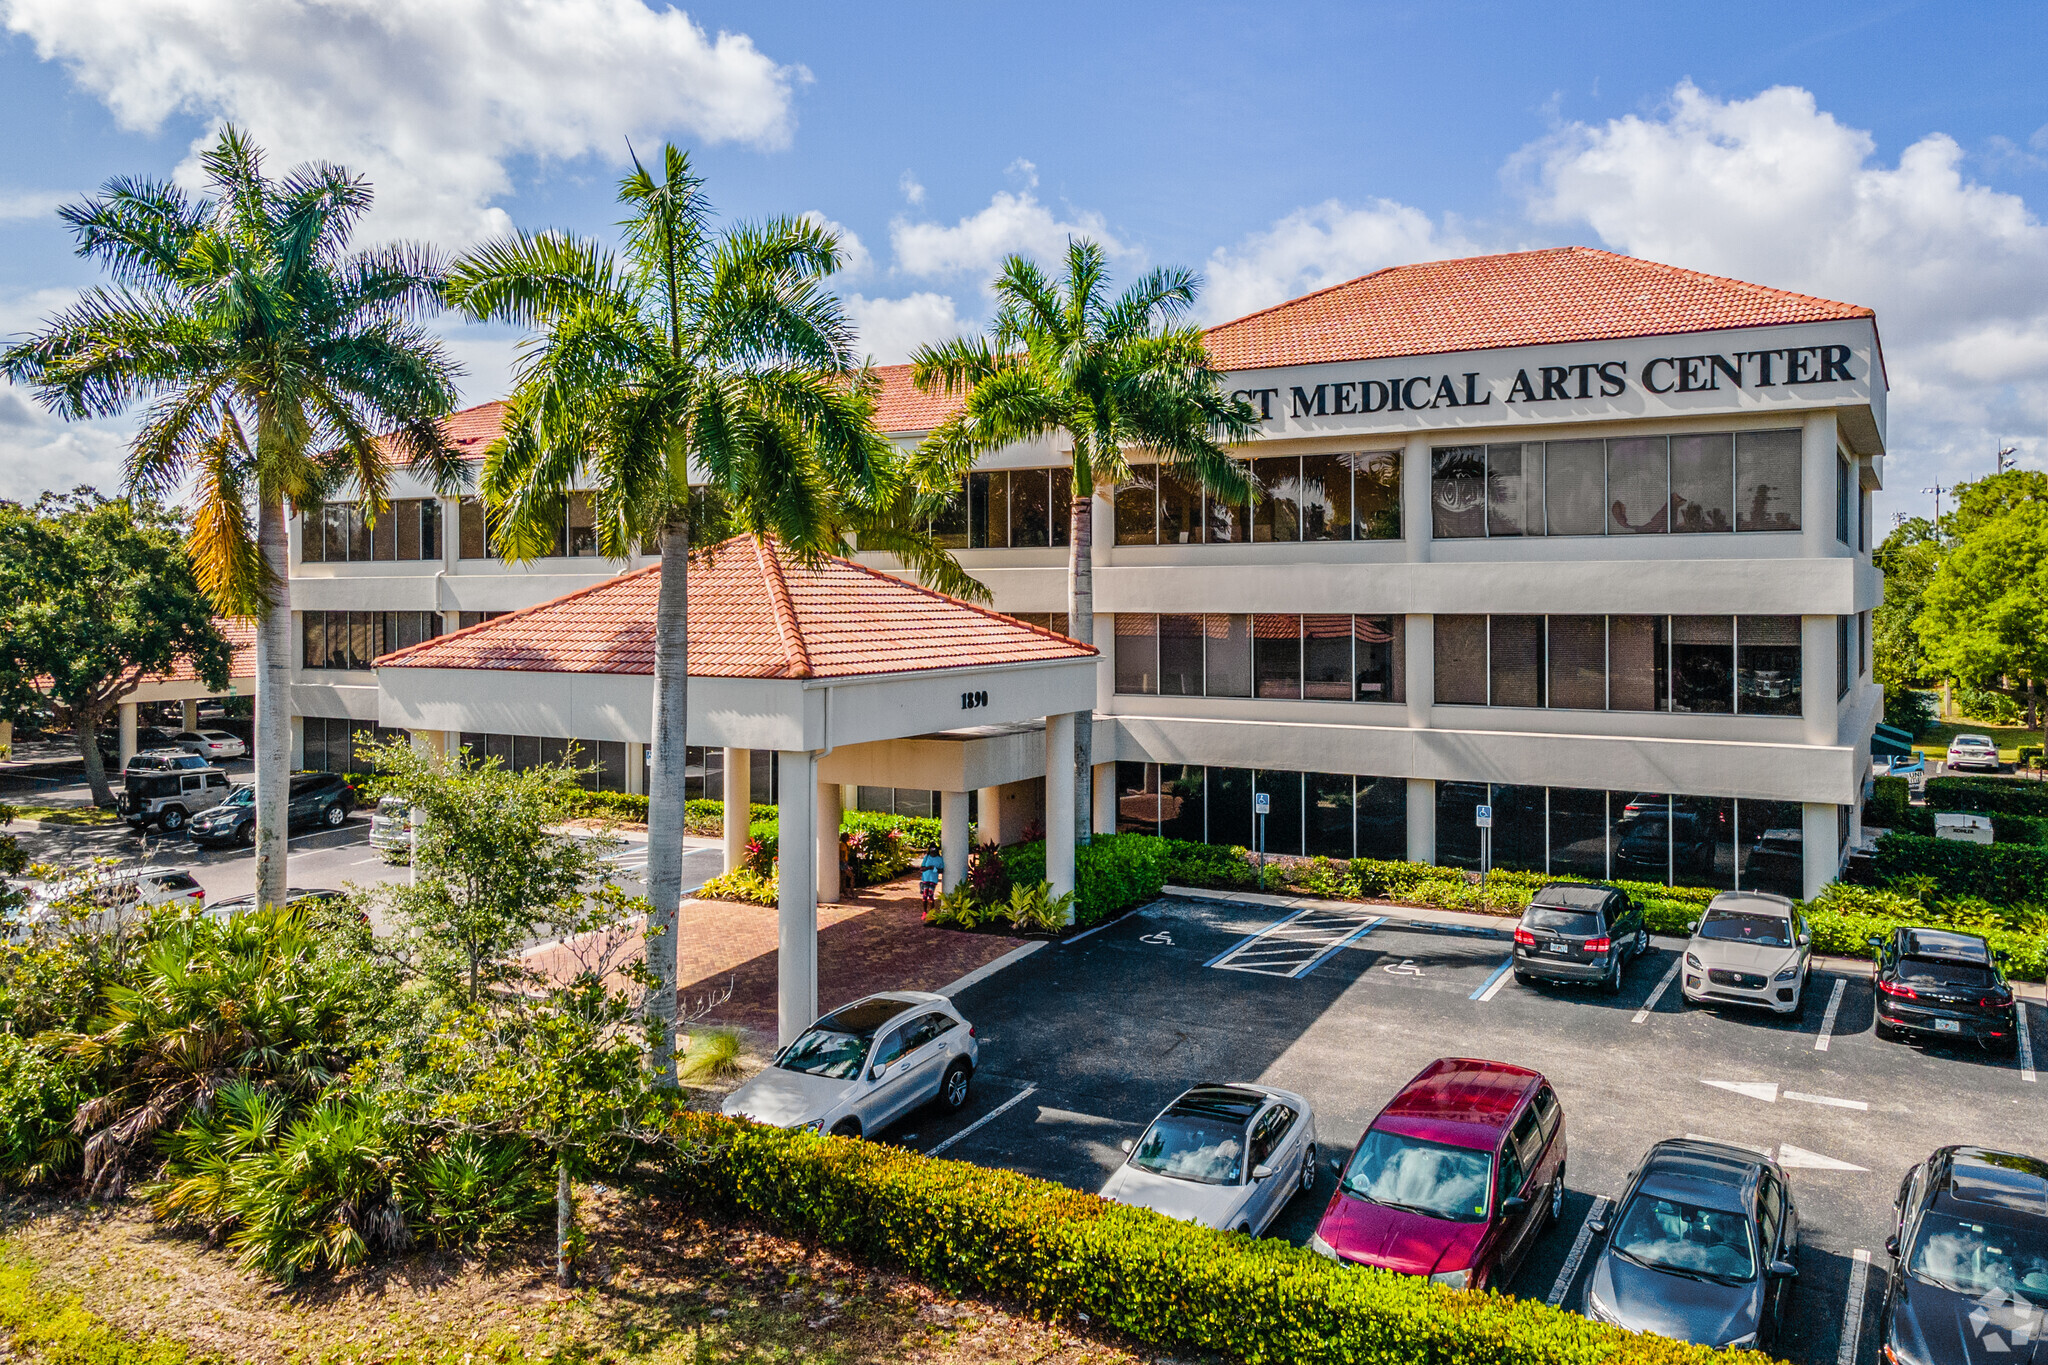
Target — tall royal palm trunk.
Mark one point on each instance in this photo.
(667, 793)
(273, 706)
(1081, 626)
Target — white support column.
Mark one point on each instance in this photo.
(1415, 498)
(298, 743)
(451, 621)
(190, 710)
(1819, 707)
(739, 767)
(828, 843)
(953, 841)
(796, 899)
(1418, 670)
(1820, 838)
(1059, 802)
(636, 768)
(1817, 461)
(849, 796)
(1421, 820)
(127, 713)
(1104, 821)
(988, 824)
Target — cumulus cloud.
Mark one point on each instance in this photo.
(1775, 190)
(17, 205)
(856, 259)
(890, 329)
(1312, 248)
(39, 451)
(433, 100)
(1012, 223)
(912, 191)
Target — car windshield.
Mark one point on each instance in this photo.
(240, 796)
(1742, 926)
(1981, 1258)
(1585, 922)
(835, 1046)
(1425, 1177)
(1667, 1234)
(1197, 1147)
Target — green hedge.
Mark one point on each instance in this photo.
(1890, 800)
(2004, 874)
(1112, 872)
(1988, 795)
(1071, 1256)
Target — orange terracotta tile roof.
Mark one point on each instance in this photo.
(753, 614)
(1524, 298)
(901, 407)
(240, 634)
(473, 429)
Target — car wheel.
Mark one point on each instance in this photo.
(1886, 1033)
(1642, 941)
(847, 1128)
(1308, 1169)
(1612, 985)
(172, 820)
(954, 1088)
(246, 835)
(333, 816)
(1557, 1198)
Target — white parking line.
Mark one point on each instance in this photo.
(1852, 1311)
(1827, 1021)
(2026, 1046)
(1570, 1271)
(1490, 987)
(1027, 1090)
(1643, 1014)
(1295, 946)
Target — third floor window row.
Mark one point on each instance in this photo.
(1636, 485)
(339, 533)
(1301, 498)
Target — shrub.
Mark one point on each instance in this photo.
(479, 1191)
(1909, 709)
(38, 1096)
(963, 908)
(1988, 795)
(2002, 873)
(1890, 799)
(1112, 873)
(713, 1054)
(740, 884)
(1072, 1256)
(1206, 865)
(625, 807)
(988, 877)
(1035, 907)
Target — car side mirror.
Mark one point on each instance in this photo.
(1261, 1172)
(876, 1072)
(1891, 1245)
(1128, 1146)
(1337, 1166)
(1784, 1270)
(1597, 1226)
(1805, 939)
(1512, 1206)
(1875, 942)
(1692, 927)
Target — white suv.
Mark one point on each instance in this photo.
(106, 893)
(1973, 751)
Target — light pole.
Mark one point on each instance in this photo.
(1937, 490)
(2005, 458)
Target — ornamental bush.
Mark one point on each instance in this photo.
(1988, 795)
(1890, 799)
(1072, 1256)
(1112, 872)
(2004, 874)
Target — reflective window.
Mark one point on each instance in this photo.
(1457, 837)
(1638, 486)
(1457, 492)
(1227, 654)
(1635, 663)
(1376, 496)
(1641, 837)
(1703, 483)
(1137, 798)
(1228, 523)
(1327, 800)
(582, 525)
(1767, 665)
(1182, 802)
(1382, 820)
(1276, 655)
(1575, 488)
(1325, 497)
(1514, 489)
(1703, 664)
(1137, 653)
(1515, 660)
(473, 543)
(1767, 480)
(1519, 827)
(1461, 661)
(1180, 510)
(1180, 656)
(1326, 658)
(1578, 833)
(1578, 662)
(1277, 513)
(1703, 841)
(1230, 806)
(949, 524)
(1283, 817)
(1030, 508)
(1379, 654)
(1137, 508)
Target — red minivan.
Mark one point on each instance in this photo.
(1455, 1179)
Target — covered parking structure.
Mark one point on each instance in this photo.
(851, 676)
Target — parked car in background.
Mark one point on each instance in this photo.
(155, 737)
(170, 798)
(1703, 1246)
(1777, 855)
(1969, 1261)
(317, 799)
(162, 760)
(212, 744)
(1973, 751)
(1912, 767)
(293, 895)
(1655, 844)
(107, 892)
(1227, 1157)
(1579, 932)
(391, 829)
(1943, 984)
(865, 1065)
(1749, 948)
(1455, 1178)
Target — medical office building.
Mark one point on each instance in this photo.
(1576, 536)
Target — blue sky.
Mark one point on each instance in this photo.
(1890, 155)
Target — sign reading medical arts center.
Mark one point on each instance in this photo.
(1764, 369)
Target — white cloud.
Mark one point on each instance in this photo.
(857, 260)
(431, 99)
(890, 329)
(1012, 223)
(17, 205)
(37, 450)
(913, 193)
(1775, 190)
(1312, 248)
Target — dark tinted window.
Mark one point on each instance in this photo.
(1582, 923)
(1920, 971)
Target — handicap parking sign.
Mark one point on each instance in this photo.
(1482, 816)
(1263, 803)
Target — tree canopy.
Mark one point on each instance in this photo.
(1984, 619)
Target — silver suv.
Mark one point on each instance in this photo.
(865, 1065)
(1750, 948)
(172, 797)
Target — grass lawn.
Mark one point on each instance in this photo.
(66, 815)
(2008, 738)
(660, 1284)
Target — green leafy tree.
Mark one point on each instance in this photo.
(1982, 500)
(1908, 558)
(1065, 359)
(95, 596)
(275, 365)
(489, 870)
(1984, 621)
(687, 353)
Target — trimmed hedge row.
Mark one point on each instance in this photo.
(1071, 1256)
(2005, 829)
(1988, 795)
(1112, 872)
(2003, 873)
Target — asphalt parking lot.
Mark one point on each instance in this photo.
(1081, 1044)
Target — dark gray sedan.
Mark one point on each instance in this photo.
(1701, 1248)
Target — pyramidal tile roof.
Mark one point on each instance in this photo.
(754, 613)
(1523, 298)
(240, 633)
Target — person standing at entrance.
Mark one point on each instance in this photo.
(929, 871)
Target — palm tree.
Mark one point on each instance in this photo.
(1113, 375)
(271, 358)
(688, 353)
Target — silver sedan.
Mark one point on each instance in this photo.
(1227, 1157)
(864, 1066)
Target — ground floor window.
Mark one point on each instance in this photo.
(1332, 815)
(900, 801)
(331, 745)
(704, 774)
(1712, 841)
(604, 758)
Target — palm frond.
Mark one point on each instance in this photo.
(529, 278)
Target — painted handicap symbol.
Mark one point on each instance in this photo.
(1160, 939)
(1405, 967)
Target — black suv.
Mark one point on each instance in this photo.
(1941, 984)
(322, 799)
(1576, 931)
(1969, 1275)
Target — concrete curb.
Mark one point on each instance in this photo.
(989, 969)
